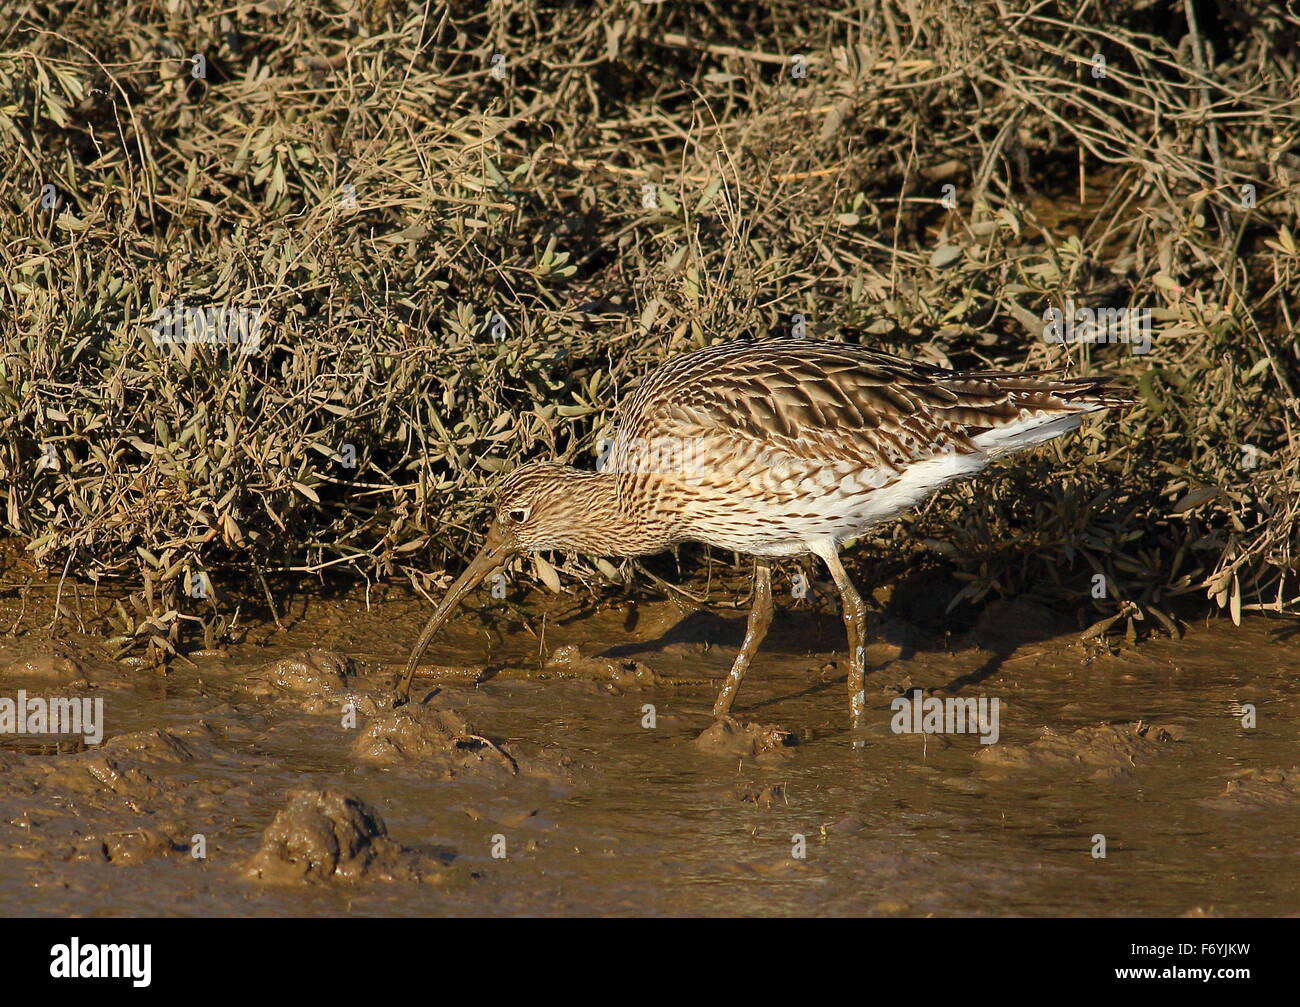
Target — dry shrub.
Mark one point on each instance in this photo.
(441, 215)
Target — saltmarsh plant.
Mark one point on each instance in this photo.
(468, 229)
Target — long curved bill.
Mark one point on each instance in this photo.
(494, 553)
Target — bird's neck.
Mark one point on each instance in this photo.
(606, 527)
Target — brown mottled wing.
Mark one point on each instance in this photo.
(838, 402)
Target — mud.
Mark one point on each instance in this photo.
(754, 741)
(1105, 752)
(327, 836)
(571, 767)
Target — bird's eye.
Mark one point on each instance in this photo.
(519, 515)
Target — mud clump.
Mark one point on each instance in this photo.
(732, 738)
(119, 766)
(439, 741)
(1105, 752)
(315, 681)
(569, 660)
(128, 848)
(1258, 789)
(330, 837)
(311, 672)
(45, 668)
(155, 745)
(134, 799)
(764, 797)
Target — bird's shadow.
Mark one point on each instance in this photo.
(792, 631)
(1000, 629)
(699, 627)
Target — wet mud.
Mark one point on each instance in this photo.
(572, 768)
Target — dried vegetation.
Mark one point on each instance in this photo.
(469, 228)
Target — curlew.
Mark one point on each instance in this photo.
(772, 448)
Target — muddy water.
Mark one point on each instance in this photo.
(530, 780)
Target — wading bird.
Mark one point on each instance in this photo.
(777, 447)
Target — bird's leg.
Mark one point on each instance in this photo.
(760, 617)
(855, 623)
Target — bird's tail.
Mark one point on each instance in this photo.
(1036, 407)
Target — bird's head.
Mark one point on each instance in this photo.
(538, 506)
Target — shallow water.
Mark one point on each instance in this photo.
(607, 816)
